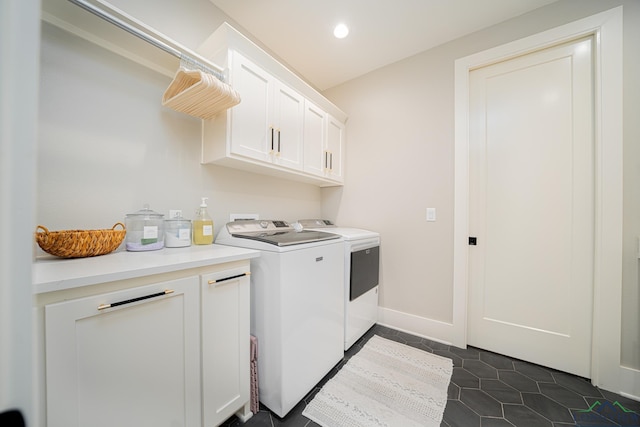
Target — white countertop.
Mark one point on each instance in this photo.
(55, 274)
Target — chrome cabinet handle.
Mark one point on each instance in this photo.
(129, 301)
(328, 160)
(211, 282)
(278, 141)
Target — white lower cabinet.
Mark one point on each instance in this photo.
(225, 345)
(132, 364)
(174, 353)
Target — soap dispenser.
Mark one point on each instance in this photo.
(203, 225)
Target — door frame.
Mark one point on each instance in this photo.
(19, 351)
(606, 28)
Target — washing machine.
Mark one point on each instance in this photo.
(297, 306)
(361, 275)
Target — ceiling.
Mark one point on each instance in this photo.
(382, 32)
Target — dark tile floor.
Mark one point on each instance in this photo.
(491, 390)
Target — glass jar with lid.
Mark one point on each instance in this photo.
(145, 230)
(177, 232)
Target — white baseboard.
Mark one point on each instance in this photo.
(443, 332)
(630, 383)
(434, 330)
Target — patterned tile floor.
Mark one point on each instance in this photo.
(491, 390)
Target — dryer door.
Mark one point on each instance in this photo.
(365, 270)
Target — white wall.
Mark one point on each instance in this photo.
(400, 161)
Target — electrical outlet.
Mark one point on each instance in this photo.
(236, 217)
(431, 214)
(175, 213)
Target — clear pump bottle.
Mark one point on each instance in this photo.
(203, 225)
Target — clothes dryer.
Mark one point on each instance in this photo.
(361, 275)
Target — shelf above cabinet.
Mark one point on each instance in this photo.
(74, 19)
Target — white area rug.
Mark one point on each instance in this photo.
(384, 384)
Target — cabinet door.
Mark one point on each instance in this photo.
(225, 344)
(136, 363)
(315, 133)
(250, 134)
(288, 118)
(335, 149)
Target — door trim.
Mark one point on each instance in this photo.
(606, 27)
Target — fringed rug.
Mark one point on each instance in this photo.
(384, 384)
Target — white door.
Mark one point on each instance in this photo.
(531, 165)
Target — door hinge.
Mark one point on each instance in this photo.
(473, 241)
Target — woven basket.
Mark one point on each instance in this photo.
(79, 243)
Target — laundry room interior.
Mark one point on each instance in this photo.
(106, 147)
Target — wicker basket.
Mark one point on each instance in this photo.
(79, 243)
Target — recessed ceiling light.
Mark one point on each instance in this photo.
(341, 31)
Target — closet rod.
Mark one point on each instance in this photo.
(146, 37)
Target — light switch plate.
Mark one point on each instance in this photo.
(431, 214)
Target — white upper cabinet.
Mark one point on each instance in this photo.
(287, 130)
(249, 124)
(315, 135)
(281, 127)
(267, 124)
(334, 153)
(323, 143)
